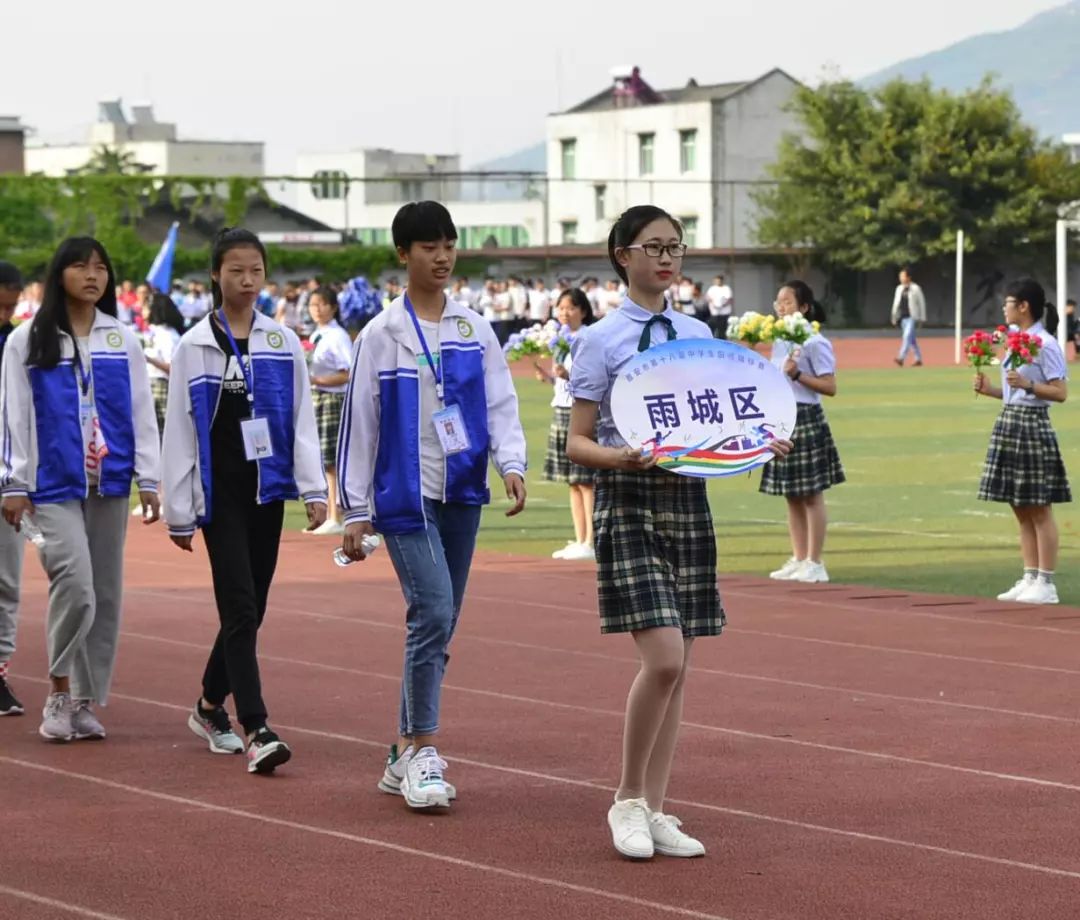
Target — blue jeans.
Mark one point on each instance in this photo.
(907, 341)
(433, 568)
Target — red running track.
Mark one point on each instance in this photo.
(848, 753)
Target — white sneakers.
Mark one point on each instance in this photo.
(575, 552)
(1031, 590)
(423, 785)
(394, 773)
(639, 833)
(804, 570)
(327, 528)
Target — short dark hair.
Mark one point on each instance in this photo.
(328, 296)
(1070, 302)
(630, 223)
(422, 222)
(10, 277)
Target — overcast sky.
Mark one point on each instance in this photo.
(475, 77)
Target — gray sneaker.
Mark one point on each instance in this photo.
(215, 729)
(56, 723)
(85, 723)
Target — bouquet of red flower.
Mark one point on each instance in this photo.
(1020, 348)
(979, 349)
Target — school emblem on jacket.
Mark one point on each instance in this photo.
(114, 340)
(464, 328)
(275, 339)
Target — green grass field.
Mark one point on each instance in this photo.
(912, 445)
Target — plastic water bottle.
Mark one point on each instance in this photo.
(369, 544)
(31, 531)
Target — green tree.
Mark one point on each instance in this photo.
(112, 161)
(884, 177)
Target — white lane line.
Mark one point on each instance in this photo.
(619, 714)
(486, 868)
(699, 669)
(59, 905)
(686, 803)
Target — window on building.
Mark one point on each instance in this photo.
(412, 190)
(328, 184)
(689, 231)
(687, 151)
(373, 236)
(569, 157)
(600, 192)
(569, 232)
(646, 143)
(492, 237)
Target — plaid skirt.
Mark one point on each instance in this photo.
(813, 464)
(655, 553)
(159, 389)
(1023, 463)
(557, 466)
(327, 420)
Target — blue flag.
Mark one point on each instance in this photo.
(160, 274)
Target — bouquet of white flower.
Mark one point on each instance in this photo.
(536, 341)
(752, 328)
(794, 328)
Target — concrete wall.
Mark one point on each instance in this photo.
(193, 158)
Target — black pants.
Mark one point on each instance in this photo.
(719, 325)
(242, 541)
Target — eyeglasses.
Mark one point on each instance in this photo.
(655, 250)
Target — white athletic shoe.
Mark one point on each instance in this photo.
(1038, 592)
(630, 832)
(811, 572)
(85, 724)
(423, 785)
(394, 773)
(1016, 590)
(579, 552)
(787, 571)
(327, 528)
(669, 840)
(561, 553)
(56, 723)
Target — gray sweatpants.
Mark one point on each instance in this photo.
(83, 557)
(11, 559)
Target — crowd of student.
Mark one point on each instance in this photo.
(408, 418)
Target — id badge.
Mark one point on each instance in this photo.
(450, 427)
(86, 410)
(256, 434)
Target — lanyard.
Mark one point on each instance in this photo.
(84, 375)
(249, 380)
(436, 369)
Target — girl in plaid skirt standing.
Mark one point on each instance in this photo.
(166, 325)
(814, 464)
(655, 546)
(1023, 463)
(330, 363)
(574, 311)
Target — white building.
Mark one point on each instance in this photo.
(360, 191)
(696, 151)
(151, 143)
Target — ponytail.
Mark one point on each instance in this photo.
(804, 298)
(230, 238)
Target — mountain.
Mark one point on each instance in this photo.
(1038, 61)
(531, 159)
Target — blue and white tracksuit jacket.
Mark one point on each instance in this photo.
(43, 454)
(282, 397)
(378, 457)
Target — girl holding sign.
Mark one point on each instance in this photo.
(814, 464)
(79, 428)
(574, 311)
(1023, 463)
(655, 546)
(430, 403)
(240, 440)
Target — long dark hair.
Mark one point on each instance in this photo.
(804, 297)
(630, 223)
(1028, 290)
(163, 312)
(230, 238)
(580, 300)
(52, 319)
(329, 297)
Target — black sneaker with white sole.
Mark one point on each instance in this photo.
(9, 705)
(266, 752)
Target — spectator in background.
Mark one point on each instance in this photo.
(288, 308)
(1072, 327)
(721, 301)
(141, 310)
(195, 304)
(266, 302)
(504, 314)
(307, 324)
(165, 327)
(592, 289)
(393, 292)
(701, 305)
(539, 303)
(519, 302)
(485, 303)
(908, 310)
(124, 311)
(685, 294)
(30, 302)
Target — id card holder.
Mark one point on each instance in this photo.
(450, 428)
(256, 434)
(86, 409)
